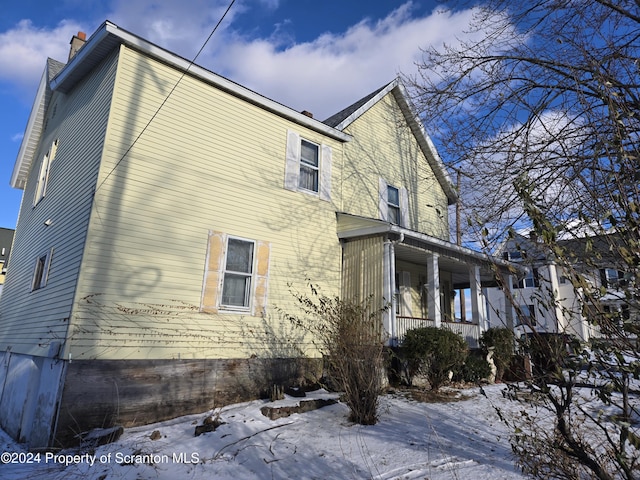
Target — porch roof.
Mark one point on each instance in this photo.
(414, 247)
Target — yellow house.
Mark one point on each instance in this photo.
(167, 212)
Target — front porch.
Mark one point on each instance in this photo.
(424, 280)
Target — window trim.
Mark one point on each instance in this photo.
(43, 174)
(41, 269)
(248, 294)
(303, 163)
(293, 164)
(403, 203)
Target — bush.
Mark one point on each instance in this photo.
(501, 340)
(434, 352)
(475, 369)
(349, 336)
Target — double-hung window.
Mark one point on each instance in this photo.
(308, 166)
(394, 204)
(236, 289)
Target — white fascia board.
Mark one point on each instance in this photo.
(182, 64)
(31, 136)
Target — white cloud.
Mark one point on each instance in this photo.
(322, 76)
(25, 48)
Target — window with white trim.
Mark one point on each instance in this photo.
(41, 270)
(393, 203)
(308, 166)
(43, 175)
(238, 271)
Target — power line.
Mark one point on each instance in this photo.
(191, 63)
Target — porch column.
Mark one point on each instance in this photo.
(389, 280)
(554, 287)
(508, 302)
(478, 313)
(433, 289)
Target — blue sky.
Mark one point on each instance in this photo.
(309, 55)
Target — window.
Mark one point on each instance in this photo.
(526, 315)
(611, 278)
(43, 176)
(41, 271)
(236, 289)
(530, 281)
(236, 275)
(393, 204)
(515, 255)
(308, 166)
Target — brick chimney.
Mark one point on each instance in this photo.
(76, 44)
(308, 114)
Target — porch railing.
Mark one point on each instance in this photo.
(469, 331)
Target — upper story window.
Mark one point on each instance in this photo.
(611, 278)
(43, 176)
(394, 204)
(531, 280)
(515, 255)
(238, 271)
(308, 166)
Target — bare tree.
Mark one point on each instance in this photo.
(540, 104)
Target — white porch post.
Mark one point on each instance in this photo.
(554, 287)
(478, 312)
(508, 302)
(433, 289)
(389, 316)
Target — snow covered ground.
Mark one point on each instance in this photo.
(413, 440)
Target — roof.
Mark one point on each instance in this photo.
(62, 78)
(347, 116)
(35, 124)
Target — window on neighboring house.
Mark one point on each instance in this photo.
(308, 166)
(236, 275)
(515, 255)
(238, 270)
(41, 271)
(394, 204)
(43, 176)
(611, 278)
(527, 315)
(531, 280)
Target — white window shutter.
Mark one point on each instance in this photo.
(325, 173)
(292, 165)
(404, 207)
(383, 200)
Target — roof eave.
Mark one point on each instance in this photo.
(109, 34)
(31, 136)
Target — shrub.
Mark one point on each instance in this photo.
(501, 340)
(475, 369)
(434, 352)
(349, 336)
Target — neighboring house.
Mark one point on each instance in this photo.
(167, 214)
(533, 309)
(6, 239)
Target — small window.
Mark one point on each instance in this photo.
(527, 316)
(236, 289)
(611, 278)
(41, 271)
(308, 166)
(530, 281)
(43, 176)
(393, 204)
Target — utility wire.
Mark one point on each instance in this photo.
(191, 63)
